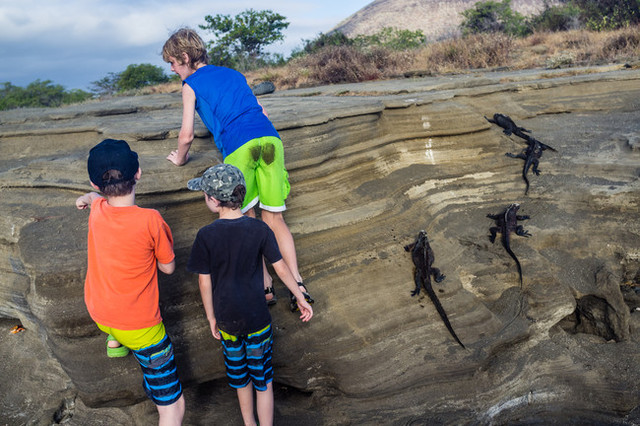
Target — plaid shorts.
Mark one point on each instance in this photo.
(248, 358)
(160, 377)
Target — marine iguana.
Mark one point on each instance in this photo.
(422, 256)
(531, 156)
(508, 125)
(507, 222)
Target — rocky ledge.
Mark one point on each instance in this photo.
(371, 165)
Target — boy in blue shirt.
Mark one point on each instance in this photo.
(242, 132)
(227, 254)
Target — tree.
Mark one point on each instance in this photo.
(138, 76)
(107, 85)
(491, 16)
(240, 41)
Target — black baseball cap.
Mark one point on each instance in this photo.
(112, 154)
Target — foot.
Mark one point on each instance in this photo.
(293, 303)
(115, 348)
(270, 295)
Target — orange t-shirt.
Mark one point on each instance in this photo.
(124, 244)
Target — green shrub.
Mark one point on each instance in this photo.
(335, 38)
(558, 18)
(138, 76)
(490, 17)
(602, 15)
(393, 38)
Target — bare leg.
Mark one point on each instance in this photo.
(171, 415)
(264, 404)
(268, 281)
(285, 241)
(245, 398)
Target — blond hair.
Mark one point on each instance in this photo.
(185, 40)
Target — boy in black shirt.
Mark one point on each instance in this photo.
(227, 255)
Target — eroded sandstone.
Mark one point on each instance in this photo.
(370, 165)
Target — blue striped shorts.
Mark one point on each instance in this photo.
(160, 377)
(248, 358)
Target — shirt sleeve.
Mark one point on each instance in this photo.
(163, 241)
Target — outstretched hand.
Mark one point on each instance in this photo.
(175, 159)
(306, 312)
(84, 201)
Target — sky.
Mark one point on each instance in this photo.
(76, 42)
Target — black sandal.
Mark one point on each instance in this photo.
(274, 299)
(293, 304)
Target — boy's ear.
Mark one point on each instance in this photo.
(94, 186)
(138, 174)
(186, 60)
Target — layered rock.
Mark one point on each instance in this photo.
(370, 165)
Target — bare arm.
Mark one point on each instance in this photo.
(206, 293)
(84, 201)
(167, 268)
(180, 156)
(264, 111)
(286, 276)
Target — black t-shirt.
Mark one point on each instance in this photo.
(231, 251)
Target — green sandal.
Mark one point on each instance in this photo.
(293, 304)
(118, 352)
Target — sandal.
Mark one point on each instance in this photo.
(293, 304)
(274, 299)
(117, 352)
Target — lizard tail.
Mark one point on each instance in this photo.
(513, 255)
(526, 190)
(440, 309)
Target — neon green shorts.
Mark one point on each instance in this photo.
(136, 339)
(261, 160)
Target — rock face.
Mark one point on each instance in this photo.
(370, 165)
(436, 19)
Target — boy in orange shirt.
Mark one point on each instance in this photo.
(126, 246)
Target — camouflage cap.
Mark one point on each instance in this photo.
(219, 182)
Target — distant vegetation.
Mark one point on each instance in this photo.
(574, 32)
(39, 94)
(134, 77)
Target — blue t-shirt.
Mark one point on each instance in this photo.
(231, 251)
(228, 107)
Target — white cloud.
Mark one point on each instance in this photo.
(74, 42)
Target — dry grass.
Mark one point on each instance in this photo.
(484, 51)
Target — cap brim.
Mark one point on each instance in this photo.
(194, 184)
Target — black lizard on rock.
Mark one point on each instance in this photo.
(531, 156)
(508, 125)
(507, 222)
(422, 256)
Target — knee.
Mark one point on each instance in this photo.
(272, 218)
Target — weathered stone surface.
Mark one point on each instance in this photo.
(370, 165)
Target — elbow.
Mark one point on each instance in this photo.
(167, 268)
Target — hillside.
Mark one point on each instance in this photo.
(437, 19)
